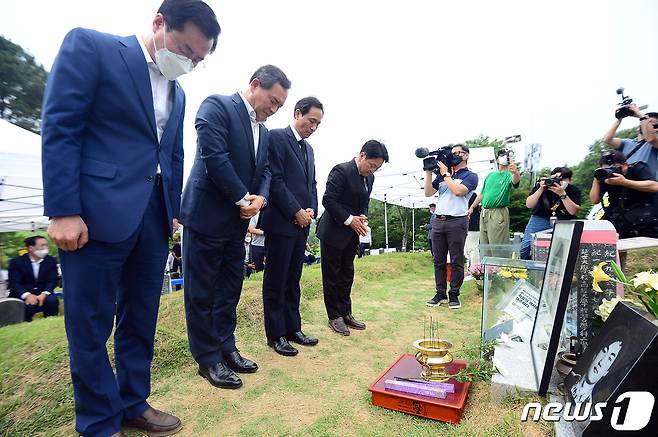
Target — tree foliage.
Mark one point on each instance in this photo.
(22, 83)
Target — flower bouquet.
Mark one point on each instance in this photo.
(643, 286)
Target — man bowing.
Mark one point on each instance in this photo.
(229, 183)
(286, 222)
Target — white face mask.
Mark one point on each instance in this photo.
(41, 253)
(503, 160)
(170, 64)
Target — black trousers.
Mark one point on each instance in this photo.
(337, 277)
(50, 307)
(214, 270)
(257, 255)
(449, 236)
(281, 290)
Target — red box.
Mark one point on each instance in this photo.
(446, 410)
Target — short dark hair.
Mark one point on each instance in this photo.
(617, 157)
(179, 12)
(305, 105)
(652, 114)
(269, 75)
(432, 205)
(463, 147)
(375, 149)
(32, 241)
(565, 172)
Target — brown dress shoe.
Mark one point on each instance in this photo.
(154, 423)
(353, 323)
(339, 326)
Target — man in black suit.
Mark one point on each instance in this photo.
(229, 183)
(294, 198)
(346, 204)
(32, 278)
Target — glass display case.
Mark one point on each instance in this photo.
(511, 295)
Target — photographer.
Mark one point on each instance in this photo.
(455, 186)
(554, 196)
(631, 193)
(495, 198)
(645, 147)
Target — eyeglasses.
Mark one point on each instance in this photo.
(187, 52)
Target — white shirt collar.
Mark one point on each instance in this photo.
(147, 55)
(295, 133)
(250, 110)
(39, 261)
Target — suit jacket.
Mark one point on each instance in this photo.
(225, 168)
(293, 185)
(21, 276)
(100, 148)
(345, 195)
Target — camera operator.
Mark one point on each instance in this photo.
(495, 198)
(550, 197)
(646, 142)
(631, 193)
(450, 223)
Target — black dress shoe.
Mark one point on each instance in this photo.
(353, 323)
(303, 339)
(339, 326)
(238, 363)
(220, 376)
(282, 347)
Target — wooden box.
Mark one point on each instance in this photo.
(446, 410)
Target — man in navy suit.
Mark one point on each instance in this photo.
(294, 198)
(112, 150)
(229, 184)
(32, 278)
(345, 218)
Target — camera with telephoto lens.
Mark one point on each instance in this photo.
(604, 173)
(442, 154)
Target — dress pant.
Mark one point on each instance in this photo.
(101, 279)
(337, 277)
(257, 255)
(449, 236)
(50, 307)
(214, 271)
(281, 291)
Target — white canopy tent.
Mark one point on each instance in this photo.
(21, 189)
(404, 187)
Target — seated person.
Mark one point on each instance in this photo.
(631, 191)
(32, 278)
(560, 199)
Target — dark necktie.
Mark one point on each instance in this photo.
(365, 182)
(302, 144)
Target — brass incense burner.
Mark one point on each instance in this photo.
(434, 355)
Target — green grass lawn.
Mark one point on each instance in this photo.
(320, 392)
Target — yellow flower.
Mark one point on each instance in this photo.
(598, 275)
(521, 274)
(505, 273)
(647, 279)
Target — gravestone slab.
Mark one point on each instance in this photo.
(12, 311)
(597, 244)
(622, 358)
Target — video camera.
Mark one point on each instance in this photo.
(442, 154)
(622, 111)
(604, 173)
